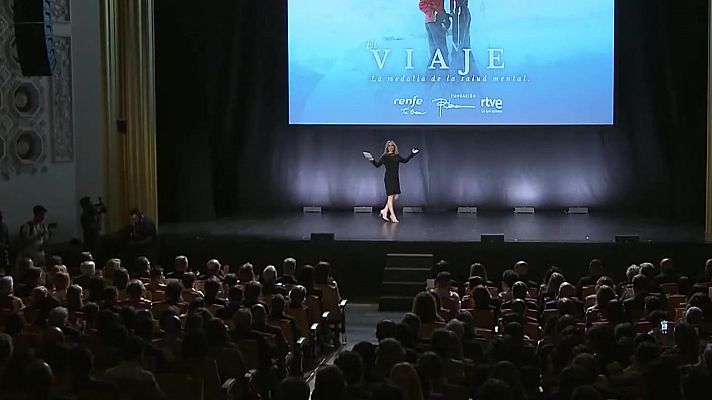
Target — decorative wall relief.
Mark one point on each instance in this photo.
(36, 117)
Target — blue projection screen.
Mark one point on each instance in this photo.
(451, 62)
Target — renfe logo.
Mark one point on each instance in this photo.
(407, 105)
(415, 101)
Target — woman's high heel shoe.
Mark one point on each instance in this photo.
(384, 215)
(393, 218)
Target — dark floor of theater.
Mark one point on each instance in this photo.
(443, 226)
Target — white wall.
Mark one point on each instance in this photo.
(59, 185)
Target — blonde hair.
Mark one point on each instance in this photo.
(395, 147)
(406, 378)
(110, 267)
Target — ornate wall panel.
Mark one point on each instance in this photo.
(36, 121)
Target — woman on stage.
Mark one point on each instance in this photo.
(391, 159)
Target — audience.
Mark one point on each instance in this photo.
(108, 334)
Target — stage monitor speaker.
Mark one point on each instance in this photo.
(491, 238)
(311, 209)
(467, 210)
(363, 210)
(413, 210)
(524, 210)
(33, 37)
(322, 237)
(627, 239)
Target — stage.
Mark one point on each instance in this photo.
(441, 226)
(361, 242)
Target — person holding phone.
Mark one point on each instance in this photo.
(391, 159)
(34, 236)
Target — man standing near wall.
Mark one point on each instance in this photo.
(34, 236)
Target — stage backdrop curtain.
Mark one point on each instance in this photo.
(225, 145)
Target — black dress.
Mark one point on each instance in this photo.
(392, 162)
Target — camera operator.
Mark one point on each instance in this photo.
(34, 236)
(143, 237)
(4, 247)
(91, 223)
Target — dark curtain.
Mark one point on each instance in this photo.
(225, 145)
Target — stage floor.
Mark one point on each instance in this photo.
(544, 227)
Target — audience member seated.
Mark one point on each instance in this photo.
(134, 292)
(483, 300)
(277, 316)
(448, 298)
(188, 292)
(234, 301)
(253, 292)
(131, 379)
(667, 273)
(595, 271)
(156, 281)
(95, 292)
(269, 283)
(509, 277)
(88, 271)
(111, 266)
(307, 279)
(180, 267)
(522, 270)
(351, 364)
(246, 274)
(121, 280)
(624, 290)
(244, 335)
(551, 290)
(425, 307)
(705, 280)
(110, 299)
(648, 269)
(170, 341)
(8, 301)
(567, 291)
(293, 388)
(142, 268)
(61, 283)
(438, 267)
(329, 383)
(687, 346)
(390, 352)
(211, 287)
(520, 291)
(432, 371)
(596, 313)
(288, 277)
(75, 299)
(174, 299)
(635, 306)
(477, 269)
(406, 378)
(212, 269)
(30, 279)
(81, 366)
(259, 324)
